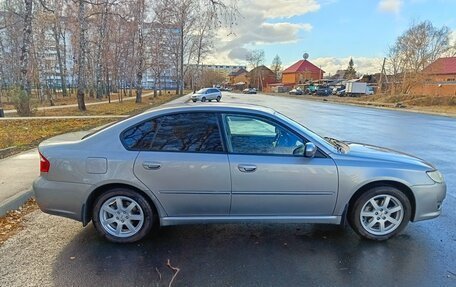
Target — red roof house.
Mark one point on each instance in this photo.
(439, 78)
(442, 66)
(300, 72)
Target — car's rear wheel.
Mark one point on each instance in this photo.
(194, 101)
(122, 215)
(380, 213)
(203, 99)
(218, 98)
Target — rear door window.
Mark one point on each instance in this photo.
(186, 132)
(189, 132)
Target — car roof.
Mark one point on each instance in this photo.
(213, 107)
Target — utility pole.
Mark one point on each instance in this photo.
(380, 81)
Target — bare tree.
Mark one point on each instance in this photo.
(416, 48)
(255, 59)
(100, 47)
(23, 104)
(276, 66)
(82, 55)
(211, 78)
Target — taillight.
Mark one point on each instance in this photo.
(44, 164)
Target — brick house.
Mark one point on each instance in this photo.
(301, 72)
(238, 76)
(439, 78)
(261, 77)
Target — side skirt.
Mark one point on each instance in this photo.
(179, 220)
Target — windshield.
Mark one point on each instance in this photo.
(202, 91)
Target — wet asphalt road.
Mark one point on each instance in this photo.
(263, 254)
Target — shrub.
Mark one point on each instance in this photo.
(22, 102)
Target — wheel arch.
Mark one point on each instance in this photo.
(88, 206)
(399, 185)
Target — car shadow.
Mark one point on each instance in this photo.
(240, 255)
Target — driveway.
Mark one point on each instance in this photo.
(58, 251)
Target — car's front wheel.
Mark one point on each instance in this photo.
(122, 215)
(203, 99)
(380, 213)
(218, 98)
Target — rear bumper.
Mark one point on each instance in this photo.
(428, 199)
(65, 199)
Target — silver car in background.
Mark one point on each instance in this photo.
(207, 94)
(226, 164)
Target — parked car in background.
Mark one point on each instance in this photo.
(323, 91)
(296, 92)
(309, 90)
(234, 163)
(337, 89)
(207, 94)
(250, 91)
(341, 93)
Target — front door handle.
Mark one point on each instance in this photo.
(247, 167)
(151, 165)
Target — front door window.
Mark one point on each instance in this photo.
(251, 135)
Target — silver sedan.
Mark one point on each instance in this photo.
(226, 164)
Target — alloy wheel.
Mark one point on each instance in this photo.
(121, 216)
(382, 214)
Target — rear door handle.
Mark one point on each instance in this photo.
(247, 167)
(151, 165)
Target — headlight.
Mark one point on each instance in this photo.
(435, 175)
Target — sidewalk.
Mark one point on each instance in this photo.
(75, 105)
(18, 172)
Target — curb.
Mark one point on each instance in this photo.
(15, 201)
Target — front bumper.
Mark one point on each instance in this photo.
(428, 200)
(65, 199)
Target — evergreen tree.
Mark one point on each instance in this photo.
(351, 72)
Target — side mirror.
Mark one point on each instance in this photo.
(310, 149)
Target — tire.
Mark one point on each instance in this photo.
(210, 101)
(203, 99)
(105, 207)
(194, 101)
(218, 99)
(384, 220)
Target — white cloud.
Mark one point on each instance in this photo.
(255, 27)
(283, 8)
(363, 65)
(390, 6)
(453, 38)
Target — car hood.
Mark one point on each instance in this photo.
(366, 151)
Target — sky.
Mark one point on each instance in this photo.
(330, 31)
